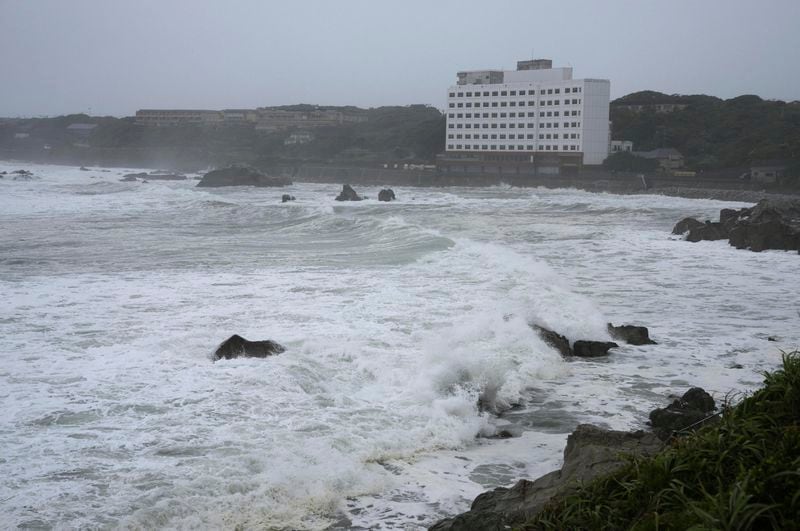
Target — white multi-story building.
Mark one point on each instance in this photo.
(533, 112)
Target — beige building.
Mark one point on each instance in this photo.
(171, 117)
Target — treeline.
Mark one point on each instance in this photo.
(711, 133)
(414, 132)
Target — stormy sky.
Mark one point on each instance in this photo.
(115, 56)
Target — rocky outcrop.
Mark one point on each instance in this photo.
(158, 176)
(285, 198)
(692, 408)
(387, 194)
(771, 224)
(240, 176)
(555, 340)
(590, 452)
(131, 177)
(685, 225)
(630, 334)
(348, 194)
(592, 349)
(238, 347)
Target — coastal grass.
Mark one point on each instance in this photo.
(741, 473)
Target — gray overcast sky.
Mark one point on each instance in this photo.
(115, 56)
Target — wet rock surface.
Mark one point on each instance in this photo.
(238, 347)
(348, 194)
(240, 176)
(387, 194)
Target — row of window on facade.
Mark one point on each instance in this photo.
(512, 136)
(510, 147)
(531, 125)
(542, 114)
(530, 92)
(521, 103)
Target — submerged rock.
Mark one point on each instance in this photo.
(238, 347)
(590, 452)
(240, 176)
(630, 334)
(130, 177)
(285, 198)
(348, 194)
(592, 349)
(387, 194)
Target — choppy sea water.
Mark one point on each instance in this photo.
(396, 317)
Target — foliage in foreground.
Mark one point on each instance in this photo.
(741, 473)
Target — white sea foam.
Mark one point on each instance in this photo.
(397, 319)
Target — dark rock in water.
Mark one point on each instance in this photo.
(22, 172)
(554, 339)
(238, 347)
(771, 338)
(240, 176)
(387, 194)
(632, 335)
(348, 194)
(592, 349)
(685, 225)
(285, 198)
(707, 231)
(84, 168)
(771, 224)
(590, 453)
(693, 407)
(130, 177)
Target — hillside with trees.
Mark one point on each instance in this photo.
(710, 132)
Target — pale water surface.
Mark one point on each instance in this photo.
(396, 317)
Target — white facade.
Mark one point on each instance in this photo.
(529, 112)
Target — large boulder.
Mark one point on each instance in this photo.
(130, 177)
(166, 176)
(387, 194)
(592, 349)
(285, 198)
(630, 334)
(348, 194)
(590, 453)
(685, 225)
(240, 176)
(707, 231)
(238, 347)
(692, 408)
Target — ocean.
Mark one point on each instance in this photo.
(396, 317)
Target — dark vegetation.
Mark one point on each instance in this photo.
(710, 132)
(740, 473)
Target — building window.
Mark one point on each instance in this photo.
(459, 137)
(549, 91)
(512, 93)
(557, 91)
(531, 125)
(503, 93)
(522, 104)
(555, 136)
(449, 126)
(468, 126)
(469, 115)
(549, 113)
(486, 93)
(484, 136)
(541, 147)
(557, 102)
(511, 126)
(460, 94)
(494, 93)
(458, 146)
(451, 115)
(519, 148)
(460, 115)
(503, 104)
(502, 115)
(493, 138)
(494, 104)
(452, 94)
(494, 147)
(530, 137)
(469, 94)
(449, 146)
(485, 103)
(484, 146)
(460, 105)
(451, 105)
(531, 92)
(529, 148)
(458, 126)
(541, 136)
(486, 115)
(555, 113)
(564, 148)
(486, 126)
(531, 114)
(541, 114)
(469, 104)
(475, 146)
(512, 103)
(502, 137)
(502, 126)
(531, 104)
(450, 136)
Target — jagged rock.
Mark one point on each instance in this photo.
(770, 224)
(632, 335)
(154, 176)
(84, 168)
(387, 194)
(285, 198)
(348, 194)
(554, 339)
(694, 406)
(707, 231)
(130, 177)
(240, 176)
(238, 347)
(590, 452)
(592, 349)
(685, 225)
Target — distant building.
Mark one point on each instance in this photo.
(173, 117)
(81, 130)
(618, 146)
(298, 138)
(279, 119)
(535, 119)
(21, 136)
(668, 158)
(768, 171)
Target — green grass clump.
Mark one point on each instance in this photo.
(740, 473)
